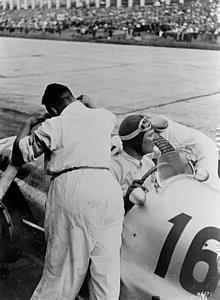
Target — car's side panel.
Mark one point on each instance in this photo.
(172, 242)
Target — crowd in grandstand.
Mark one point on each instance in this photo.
(181, 21)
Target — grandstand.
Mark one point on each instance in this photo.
(32, 4)
(178, 20)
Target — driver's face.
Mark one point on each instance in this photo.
(147, 144)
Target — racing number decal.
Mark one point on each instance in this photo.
(166, 253)
(194, 254)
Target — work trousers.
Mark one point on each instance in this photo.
(83, 223)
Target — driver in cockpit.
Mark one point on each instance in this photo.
(130, 164)
(140, 135)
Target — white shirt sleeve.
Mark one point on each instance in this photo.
(26, 148)
(50, 133)
(47, 136)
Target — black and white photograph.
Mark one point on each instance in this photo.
(109, 149)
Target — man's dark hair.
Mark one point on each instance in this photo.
(55, 94)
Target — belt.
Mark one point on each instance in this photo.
(56, 174)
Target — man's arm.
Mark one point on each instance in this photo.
(17, 157)
(87, 101)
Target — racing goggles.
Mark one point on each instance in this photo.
(143, 126)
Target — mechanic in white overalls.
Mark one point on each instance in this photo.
(84, 208)
(132, 163)
(197, 147)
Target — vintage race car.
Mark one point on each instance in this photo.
(171, 245)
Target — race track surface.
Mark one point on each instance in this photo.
(180, 83)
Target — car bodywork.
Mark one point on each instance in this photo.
(170, 246)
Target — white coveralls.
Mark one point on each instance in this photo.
(84, 209)
(197, 147)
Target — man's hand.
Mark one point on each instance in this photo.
(36, 120)
(127, 201)
(135, 184)
(86, 100)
